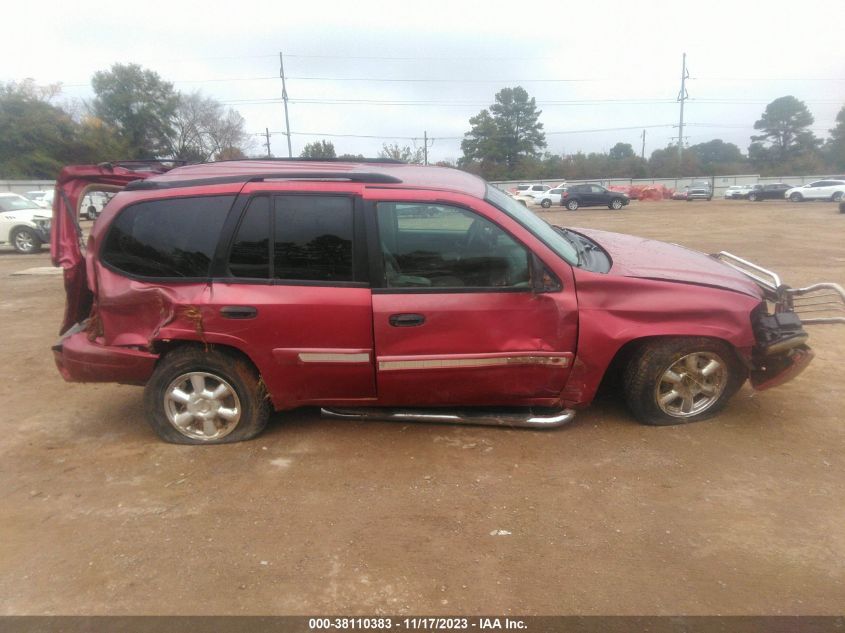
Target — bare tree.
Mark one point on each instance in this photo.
(204, 130)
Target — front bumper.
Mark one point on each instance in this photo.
(80, 359)
(43, 234)
(781, 354)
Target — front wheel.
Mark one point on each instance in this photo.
(796, 197)
(615, 204)
(546, 203)
(572, 205)
(25, 241)
(205, 397)
(752, 197)
(680, 380)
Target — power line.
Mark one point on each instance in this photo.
(452, 138)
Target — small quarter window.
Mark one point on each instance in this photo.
(167, 238)
(250, 255)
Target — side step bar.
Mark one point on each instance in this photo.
(526, 419)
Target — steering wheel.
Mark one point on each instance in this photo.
(480, 235)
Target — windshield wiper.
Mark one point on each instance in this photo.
(573, 238)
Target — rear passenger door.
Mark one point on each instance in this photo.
(292, 285)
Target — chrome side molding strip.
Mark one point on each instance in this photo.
(526, 419)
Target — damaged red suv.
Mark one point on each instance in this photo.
(392, 291)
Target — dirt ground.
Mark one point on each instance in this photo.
(743, 514)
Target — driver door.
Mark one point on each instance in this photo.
(455, 318)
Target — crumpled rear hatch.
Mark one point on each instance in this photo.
(66, 238)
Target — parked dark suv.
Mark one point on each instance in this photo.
(773, 191)
(393, 291)
(590, 195)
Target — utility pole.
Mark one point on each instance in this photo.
(425, 147)
(267, 135)
(642, 154)
(285, 100)
(682, 96)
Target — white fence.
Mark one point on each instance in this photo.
(719, 183)
(22, 186)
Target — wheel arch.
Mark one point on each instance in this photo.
(166, 346)
(611, 375)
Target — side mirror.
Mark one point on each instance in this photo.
(542, 279)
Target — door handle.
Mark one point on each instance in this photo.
(406, 320)
(238, 312)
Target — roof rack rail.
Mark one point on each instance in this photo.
(365, 177)
(282, 159)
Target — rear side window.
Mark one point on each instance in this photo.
(167, 238)
(312, 239)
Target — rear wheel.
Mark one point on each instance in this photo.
(25, 240)
(837, 196)
(752, 197)
(680, 380)
(796, 197)
(572, 205)
(615, 204)
(205, 397)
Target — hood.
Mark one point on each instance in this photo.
(650, 259)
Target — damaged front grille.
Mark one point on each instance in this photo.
(816, 304)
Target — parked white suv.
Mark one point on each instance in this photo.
(23, 223)
(550, 197)
(738, 191)
(818, 190)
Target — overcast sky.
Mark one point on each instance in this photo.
(591, 65)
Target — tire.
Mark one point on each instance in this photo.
(837, 196)
(796, 197)
(572, 205)
(615, 204)
(186, 369)
(91, 212)
(25, 240)
(752, 197)
(646, 379)
(546, 203)
(709, 199)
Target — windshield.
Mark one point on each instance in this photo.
(542, 230)
(16, 203)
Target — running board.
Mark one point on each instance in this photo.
(526, 419)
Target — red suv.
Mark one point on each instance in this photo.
(375, 289)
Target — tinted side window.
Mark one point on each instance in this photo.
(167, 238)
(250, 255)
(313, 238)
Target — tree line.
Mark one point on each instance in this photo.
(507, 141)
(134, 115)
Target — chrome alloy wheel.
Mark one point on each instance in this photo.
(691, 385)
(24, 242)
(202, 406)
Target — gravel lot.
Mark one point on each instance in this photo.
(744, 514)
